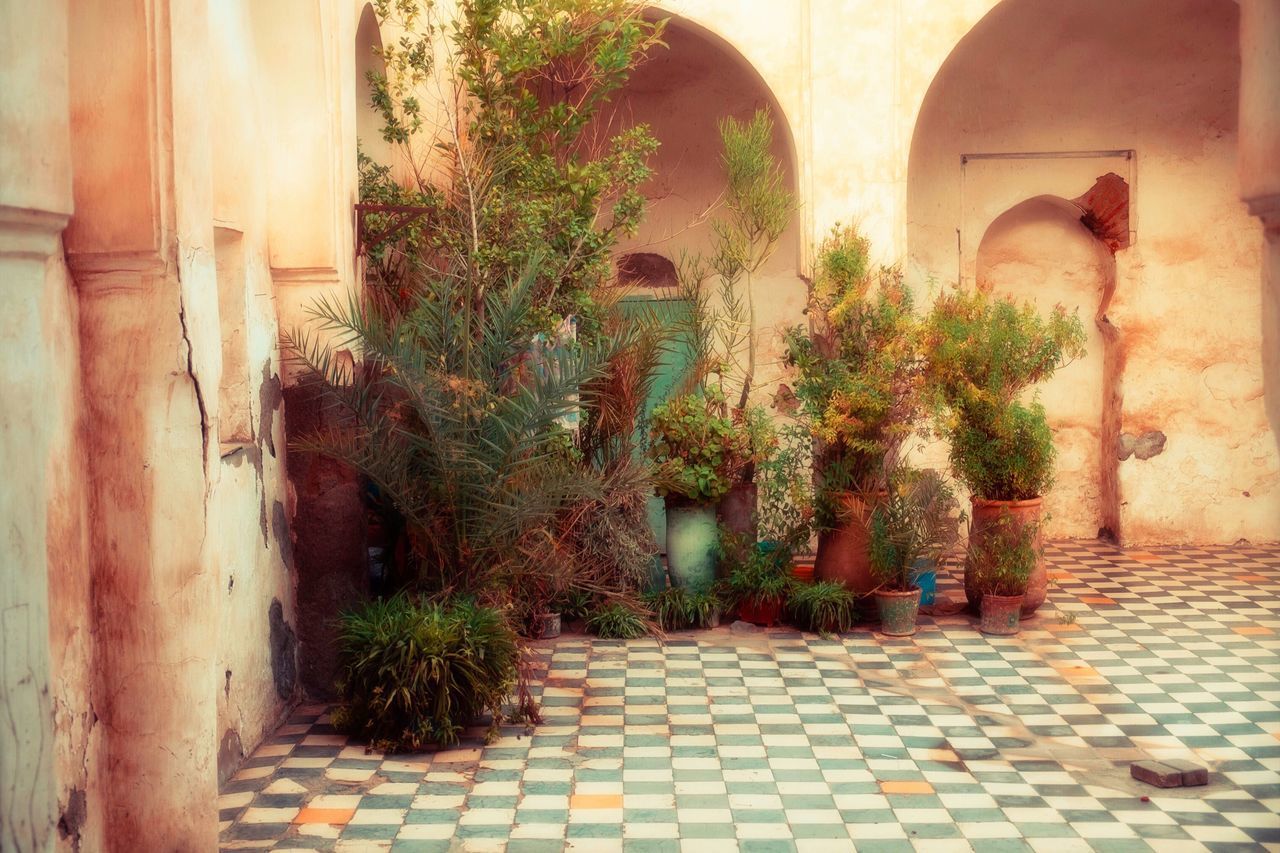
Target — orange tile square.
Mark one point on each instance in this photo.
(1254, 578)
(918, 787)
(1097, 599)
(595, 801)
(1253, 630)
(1058, 575)
(331, 816)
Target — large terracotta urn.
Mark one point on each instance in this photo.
(985, 519)
(843, 549)
(736, 511)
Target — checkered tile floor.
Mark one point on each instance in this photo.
(949, 740)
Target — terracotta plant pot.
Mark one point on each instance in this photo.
(843, 550)
(986, 516)
(546, 626)
(898, 610)
(737, 510)
(760, 613)
(1000, 614)
(802, 572)
(692, 539)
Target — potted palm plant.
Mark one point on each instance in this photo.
(697, 453)
(859, 378)
(917, 520)
(983, 353)
(1005, 560)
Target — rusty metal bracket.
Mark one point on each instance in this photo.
(402, 216)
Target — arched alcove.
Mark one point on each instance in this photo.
(369, 62)
(682, 91)
(1147, 90)
(1039, 250)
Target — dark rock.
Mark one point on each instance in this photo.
(740, 627)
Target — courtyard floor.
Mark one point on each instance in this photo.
(948, 740)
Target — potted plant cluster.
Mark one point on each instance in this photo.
(1004, 561)
(758, 581)
(983, 353)
(858, 387)
(697, 453)
(917, 520)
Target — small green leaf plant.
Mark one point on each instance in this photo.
(824, 607)
(918, 518)
(697, 452)
(1006, 556)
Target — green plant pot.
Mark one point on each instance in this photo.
(898, 609)
(1000, 614)
(691, 544)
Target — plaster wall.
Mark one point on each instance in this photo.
(1187, 300)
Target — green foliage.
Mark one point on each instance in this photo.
(918, 518)
(824, 607)
(536, 78)
(786, 488)
(755, 577)
(1003, 453)
(615, 620)
(418, 673)
(680, 608)
(859, 375)
(1004, 558)
(983, 352)
(697, 451)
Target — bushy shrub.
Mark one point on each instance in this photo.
(824, 607)
(614, 620)
(756, 577)
(1005, 556)
(697, 450)
(859, 373)
(418, 673)
(982, 353)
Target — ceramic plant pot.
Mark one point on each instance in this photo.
(999, 614)
(764, 613)
(692, 538)
(985, 518)
(898, 609)
(546, 626)
(737, 510)
(843, 550)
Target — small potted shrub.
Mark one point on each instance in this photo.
(759, 581)
(858, 383)
(417, 673)
(697, 453)
(1006, 559)
(983, 353)
(824, 607)
(918, 520)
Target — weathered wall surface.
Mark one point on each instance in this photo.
(1187, 301)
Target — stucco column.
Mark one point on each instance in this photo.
(35, 199)
(1260, 169)
(28, 803)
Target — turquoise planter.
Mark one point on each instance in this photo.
(691, 544)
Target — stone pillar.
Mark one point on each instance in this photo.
(1259, 140)
(141, 250)
(35, 200)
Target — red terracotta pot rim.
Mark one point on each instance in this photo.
(898, 593)
(1003, 599)
(1028, 502)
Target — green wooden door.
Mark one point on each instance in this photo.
(673, 364)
